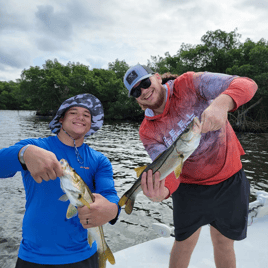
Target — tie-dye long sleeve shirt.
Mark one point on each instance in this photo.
(218, 156)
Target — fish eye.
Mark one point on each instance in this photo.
(187, 128)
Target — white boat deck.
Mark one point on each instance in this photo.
(250, 252)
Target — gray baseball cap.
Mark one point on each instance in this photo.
(87, 101)
(135, 74)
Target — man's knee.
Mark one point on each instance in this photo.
(189, 243)
(219, 240)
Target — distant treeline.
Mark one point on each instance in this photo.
(44, 89)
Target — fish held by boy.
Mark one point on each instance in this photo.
(170, 160)
(78, 193)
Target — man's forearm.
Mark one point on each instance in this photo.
(224, 101)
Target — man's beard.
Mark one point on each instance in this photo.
(159, 102)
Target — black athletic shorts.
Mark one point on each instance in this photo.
(91, 262)
(224, 206)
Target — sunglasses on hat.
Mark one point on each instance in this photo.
(136, 91)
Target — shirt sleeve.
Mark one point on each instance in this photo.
(172, 183)
(211, 85)
(241, 90)
(104, 183)
(9, 160)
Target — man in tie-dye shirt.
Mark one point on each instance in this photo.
(212, 188)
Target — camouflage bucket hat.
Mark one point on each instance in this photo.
(87, 101)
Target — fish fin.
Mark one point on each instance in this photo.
(129, 205)
(128, 201)
(123, 200)
(71, 211)
(139, 170)
(129, 197)
(106, 255)
(64, 198)
(178, 168)
(110, 256)
(84, 202)
(90, 240)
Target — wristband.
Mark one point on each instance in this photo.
(22, 153)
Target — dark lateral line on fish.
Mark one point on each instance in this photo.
(83, 201)
(168, 152)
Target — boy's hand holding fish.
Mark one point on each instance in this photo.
(41, 163)
(93, 210)
(100, 212)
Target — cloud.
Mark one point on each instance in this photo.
(49, 44)
(10, 20)
(259, 5)
(13, 58)
(98, 32)
(52, 23)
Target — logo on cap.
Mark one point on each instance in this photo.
(131, 77)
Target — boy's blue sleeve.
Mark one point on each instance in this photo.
(9, 161)
(104, 183)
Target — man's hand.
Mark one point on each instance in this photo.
(100, 212)
(152, 187)
(42, 164)
(215, 116)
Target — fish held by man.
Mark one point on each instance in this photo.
(170, 160)
(78, 193)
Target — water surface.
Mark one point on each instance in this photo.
(120, 143)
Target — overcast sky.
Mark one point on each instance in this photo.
(96, 32)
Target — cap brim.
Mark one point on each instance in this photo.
(144, 77)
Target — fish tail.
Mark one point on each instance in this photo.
(127, 200)
(123, 200)
(110, 256)
(130, 204)
(129, 197)
(104, 256)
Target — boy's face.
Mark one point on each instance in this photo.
(76, 121)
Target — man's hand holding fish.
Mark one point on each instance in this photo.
(207, 178)
(153, 187)
(215, 115)
(213, 118)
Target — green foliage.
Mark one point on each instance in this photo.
(10, 96)
(119, 67)
(252, 61)
(222, 52)
(212, 55)
(44, 89)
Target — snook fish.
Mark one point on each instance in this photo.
(78, 193)
(170, 160)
